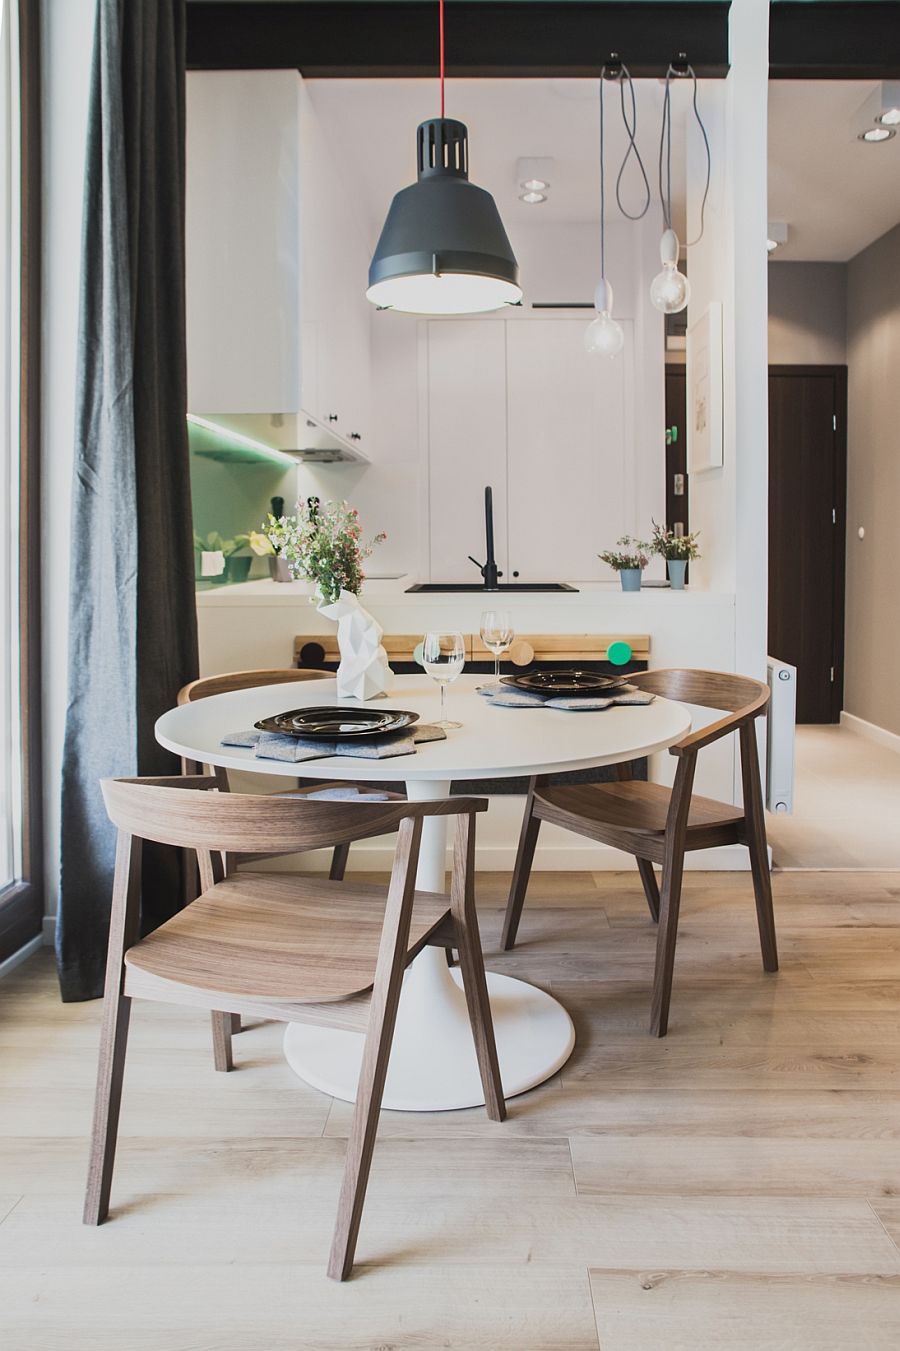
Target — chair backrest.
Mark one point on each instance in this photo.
(193, 817)
(706, 689)
(244, 680)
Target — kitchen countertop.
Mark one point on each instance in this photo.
(379, 592)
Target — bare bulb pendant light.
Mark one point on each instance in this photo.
(443, 248)
(670, 289)
(604, 336)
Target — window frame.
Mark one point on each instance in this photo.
(22, 900)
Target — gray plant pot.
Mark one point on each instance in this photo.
(630, 579)
(676, 568)
(279, 569)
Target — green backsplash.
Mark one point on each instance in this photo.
(232, 495)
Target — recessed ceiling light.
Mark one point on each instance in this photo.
(532, 198)
(534, 184)
(771, 244)
(889, 118)
(876, 134)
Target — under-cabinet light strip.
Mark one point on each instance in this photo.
(240, 439)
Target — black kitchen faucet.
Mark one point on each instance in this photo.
(489, 569)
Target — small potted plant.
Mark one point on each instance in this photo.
(677, 550)
(221, 559)
(628, 559)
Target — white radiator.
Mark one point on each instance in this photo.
(782, 721)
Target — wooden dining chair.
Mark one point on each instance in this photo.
(283, 946)
(657, 824)
(228, 681)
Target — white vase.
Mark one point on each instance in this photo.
(364, 672)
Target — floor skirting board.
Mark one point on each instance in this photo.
(880, 735)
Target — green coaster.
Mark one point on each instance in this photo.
(619, 654)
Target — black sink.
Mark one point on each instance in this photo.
(502, 586)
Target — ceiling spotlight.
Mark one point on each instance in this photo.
(879, 113)
(534, 174)
(777, 233)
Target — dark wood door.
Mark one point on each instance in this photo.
(807, 510)
(676, 450)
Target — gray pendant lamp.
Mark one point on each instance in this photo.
(443, 248)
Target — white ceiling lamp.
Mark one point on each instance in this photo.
(877, 119)
(670, 289)
(605, 335)
(776, 234)
(533, 177)
(443, 248)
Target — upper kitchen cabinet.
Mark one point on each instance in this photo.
(277, 320)
(518, 404)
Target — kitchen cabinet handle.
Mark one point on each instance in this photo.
(331, 417)
(355, 436)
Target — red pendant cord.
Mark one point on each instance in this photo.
(441, 20)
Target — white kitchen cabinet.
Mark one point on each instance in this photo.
(570, 452)
(242, 239)
(277, 319)
(466, 443)
(519, 404)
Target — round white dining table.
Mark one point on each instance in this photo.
(433, 1066)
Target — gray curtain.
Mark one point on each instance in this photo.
(132, 630)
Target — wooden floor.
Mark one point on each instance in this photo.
(734, 1186)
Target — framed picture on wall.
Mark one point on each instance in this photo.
(704, 391)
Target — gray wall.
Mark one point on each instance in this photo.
(807, 314)
(873, 487)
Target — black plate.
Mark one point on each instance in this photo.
(338, 724)
(564, 682)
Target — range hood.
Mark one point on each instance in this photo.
(254, 436)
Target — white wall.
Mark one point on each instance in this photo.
(807, 314)
(66, 39)
(872, 690)
(729, 505)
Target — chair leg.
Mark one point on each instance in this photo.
(236, 1024)
(124, 925)
(757, 845)
(110, 1073)
(651, 889)
(465, 918)
(528, 837)
(670, 903)
(380, 1033)
(221, 1036)
(670, 897)
(339, 862)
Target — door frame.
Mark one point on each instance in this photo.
(839, 498)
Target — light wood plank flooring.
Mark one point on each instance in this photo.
(735, 1186)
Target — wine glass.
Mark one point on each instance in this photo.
(497, 633)
(444, 656)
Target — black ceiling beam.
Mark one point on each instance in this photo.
(398, 38)
(855, 40)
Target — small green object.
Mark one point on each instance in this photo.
(619, 654)
(417, 653)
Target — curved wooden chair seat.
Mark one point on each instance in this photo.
(298, 949)
(639, 808)
(271, 936)
(658, 825)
